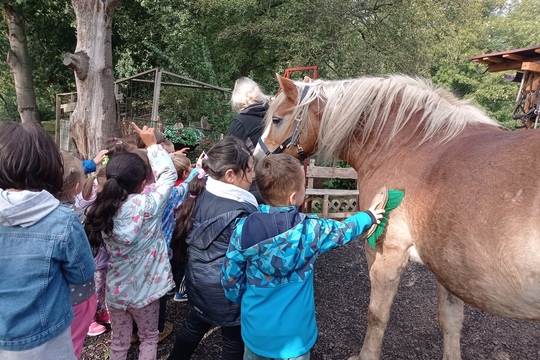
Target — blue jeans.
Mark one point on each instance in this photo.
(250, 355)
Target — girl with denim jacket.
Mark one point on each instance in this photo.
(129, 224)
(44, 248)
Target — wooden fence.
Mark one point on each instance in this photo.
(330, 203)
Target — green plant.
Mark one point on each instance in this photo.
(344, 184)
(172, 134)
(191, 137)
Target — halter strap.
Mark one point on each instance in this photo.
(293, 139)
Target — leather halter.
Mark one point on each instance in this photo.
(291, 140)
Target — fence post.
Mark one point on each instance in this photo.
(155, 102)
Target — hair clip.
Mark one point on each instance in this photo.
(192, 196)
(119, 142)
(115, 138)
(201, 173)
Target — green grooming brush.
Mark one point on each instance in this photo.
(392, 201)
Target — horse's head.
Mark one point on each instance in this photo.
(291, 121)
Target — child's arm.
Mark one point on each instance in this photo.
(89, 166)
(233, 271)
(332, 234)
(165, 175)
(163, 169)
(183, 187)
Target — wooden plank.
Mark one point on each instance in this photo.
(530, 66)
(331, 192)
(505, 66)
(480, 61)
(493, 60)
(514, 57)
(325, 207)
(330, 173)
(69, 107)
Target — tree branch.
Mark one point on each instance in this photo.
(79, 62)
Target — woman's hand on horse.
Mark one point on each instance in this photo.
(147, 134)
(377, 213)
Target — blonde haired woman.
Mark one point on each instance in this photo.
(250, 105)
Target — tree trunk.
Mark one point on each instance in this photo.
(21, 65)
(94, 118)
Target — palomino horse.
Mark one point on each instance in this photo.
(471, 211)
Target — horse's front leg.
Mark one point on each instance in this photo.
(386, 264)
(450, 313)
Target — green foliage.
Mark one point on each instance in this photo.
(172, 134)
(192, 137)
(186, 136)
(216, 41)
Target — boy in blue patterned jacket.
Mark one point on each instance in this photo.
(269, 265)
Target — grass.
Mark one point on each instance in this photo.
(49, 126)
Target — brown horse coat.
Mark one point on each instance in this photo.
(471, 211)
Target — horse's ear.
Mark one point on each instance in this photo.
(288, 88)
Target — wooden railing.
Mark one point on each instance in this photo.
(332, 203)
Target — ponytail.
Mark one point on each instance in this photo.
(184, 222)
(228, 153)
(125, 173)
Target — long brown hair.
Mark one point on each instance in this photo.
(125, 173)
(229, 153)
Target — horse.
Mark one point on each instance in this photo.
(471, 210)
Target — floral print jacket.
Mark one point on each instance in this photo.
(139, 271)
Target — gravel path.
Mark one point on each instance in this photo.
(342, 296)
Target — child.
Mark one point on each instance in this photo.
(91, 186)
(269, 263)
(129, 223)
(83, 297)
(178, 195)
(201, 236)
(44, 248)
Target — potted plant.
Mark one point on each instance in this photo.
(187, 137)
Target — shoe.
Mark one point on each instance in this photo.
(134, 339)
(378, 202)
(167, 330)
(96, 329)
(180, 297)
(103, 318)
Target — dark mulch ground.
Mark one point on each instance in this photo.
(342, 295)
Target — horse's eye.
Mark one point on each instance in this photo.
(276, 120)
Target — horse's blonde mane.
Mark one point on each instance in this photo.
(369, 102)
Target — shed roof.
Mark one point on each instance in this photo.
(509, 60)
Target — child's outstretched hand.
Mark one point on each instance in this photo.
(377, 213)
(182, 151)
(200, 159)
(147, 134)
(101, 156)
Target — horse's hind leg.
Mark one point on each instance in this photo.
(450, 313)
(385, 269)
